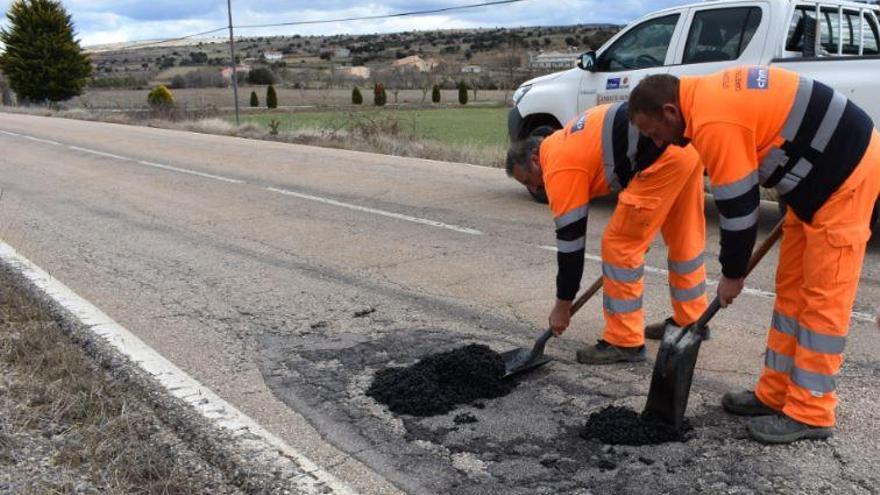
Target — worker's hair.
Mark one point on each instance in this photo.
(520, 152)
(652, 93)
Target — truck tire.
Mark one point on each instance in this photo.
(538, 193)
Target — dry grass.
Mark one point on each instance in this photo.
(376, 134)
(67, 426)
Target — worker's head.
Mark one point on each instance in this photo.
(655, 110)
(523, 162)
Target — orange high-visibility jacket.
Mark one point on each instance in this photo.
(592, 156)
(768, 126)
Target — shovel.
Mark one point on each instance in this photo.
(677, 356)
(520, 360)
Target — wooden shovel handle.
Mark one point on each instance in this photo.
(589, 293)
(757, 255)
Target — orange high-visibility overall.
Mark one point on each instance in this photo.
(768, 126)
(595, 155)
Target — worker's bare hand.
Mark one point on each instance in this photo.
(728, 289)
(560, 316)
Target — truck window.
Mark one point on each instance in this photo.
(803, 25)
(642, 47)
(872, 36)
(721, 34)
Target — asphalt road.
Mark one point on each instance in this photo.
(283, 276)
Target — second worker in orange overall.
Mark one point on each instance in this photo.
(661, 189)
(767, 126)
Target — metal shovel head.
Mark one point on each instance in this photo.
(520, 360)
(673, 374)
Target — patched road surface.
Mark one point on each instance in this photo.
(284, 277)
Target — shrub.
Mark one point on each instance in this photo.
(255, 100)
(161, 96)
(261, 75)
(356, 97)
(435, 94)
(462, 93)
(379, 95)
(271, 97)
(177, 82)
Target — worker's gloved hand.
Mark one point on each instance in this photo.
(560, 316)
(728, 289)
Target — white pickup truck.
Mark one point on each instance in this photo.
(835, 42)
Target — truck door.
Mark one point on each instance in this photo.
(641, 50)
(721, 37)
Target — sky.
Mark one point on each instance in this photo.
(112, 21)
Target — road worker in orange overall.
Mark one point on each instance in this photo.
(766, 126)
(661, 190)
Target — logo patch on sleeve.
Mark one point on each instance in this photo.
(579, 125)
(759, 78)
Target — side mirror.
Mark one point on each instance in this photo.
(587, 61)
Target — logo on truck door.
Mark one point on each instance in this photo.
(759, 78)
(617, 83)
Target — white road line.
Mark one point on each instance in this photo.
(191, 172)
(10, 133)
(855, 315)
(252, 439)
(46, 141)
(375, 211)
(100, 153)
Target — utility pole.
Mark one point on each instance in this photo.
(234, 63)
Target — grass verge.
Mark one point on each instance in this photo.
(68, 426)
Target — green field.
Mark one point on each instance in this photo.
(485, 126)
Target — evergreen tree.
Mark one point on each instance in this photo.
(379, 95)
(42, 60)
(435, 94)
(255, 100)
(356, 97)
(462, 93)
(271, 97)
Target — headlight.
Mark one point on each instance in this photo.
(520, 92)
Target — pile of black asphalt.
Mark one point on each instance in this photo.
(438, 383)
(618, 425)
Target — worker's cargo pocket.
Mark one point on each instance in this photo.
(847, 249)
(634, 214)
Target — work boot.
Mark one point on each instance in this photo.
(780, 428)
(655, 331)
(605, 353)
(745, 404)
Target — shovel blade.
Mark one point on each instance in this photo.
(521, 360)
(673, 374)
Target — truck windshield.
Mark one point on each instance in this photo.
(641, 47)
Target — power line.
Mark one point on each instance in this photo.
(325, 21)
(381, 16)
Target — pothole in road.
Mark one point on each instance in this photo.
(438, 383)
(618, 425)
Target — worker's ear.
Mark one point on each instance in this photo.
(671, 112)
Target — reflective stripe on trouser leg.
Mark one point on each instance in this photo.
(622, 277)
(772, 387)
(685, 234)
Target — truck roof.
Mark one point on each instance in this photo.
(844, 3)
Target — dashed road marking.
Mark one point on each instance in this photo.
(389, 214)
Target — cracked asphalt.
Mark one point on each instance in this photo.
(286, 306)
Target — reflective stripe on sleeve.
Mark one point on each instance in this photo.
(798, 109)
(739, 223)
(632, 143)
(794, 176)
(829, 122)
(735, 189)
(608, 147)
(572, 216)
(775, 158)
(571, 246)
